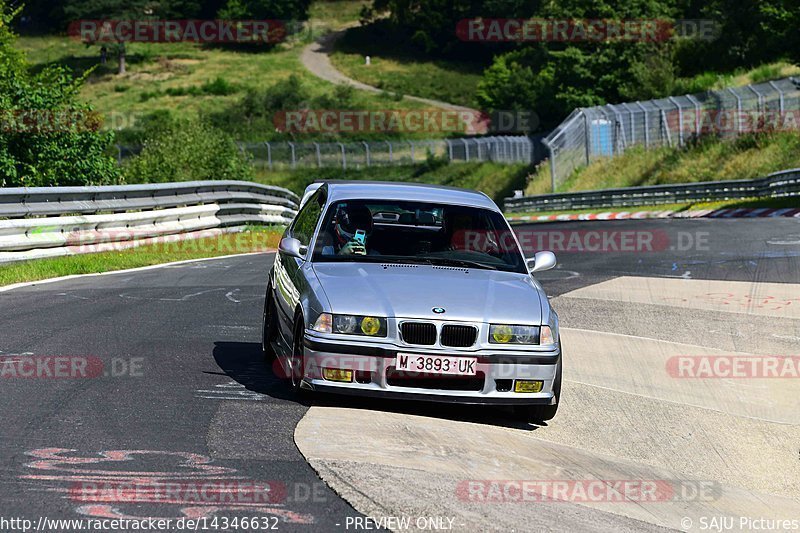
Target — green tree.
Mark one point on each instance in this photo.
(128, 10)
(46, 136)
(265, 10)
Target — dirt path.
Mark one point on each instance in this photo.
(316, 58)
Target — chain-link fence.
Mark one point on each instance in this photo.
(346, 155)
(589, 134)
(349, 155)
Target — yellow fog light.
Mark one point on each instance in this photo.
(502, 334)
(337, 374)
(527, 385)
(370, 325)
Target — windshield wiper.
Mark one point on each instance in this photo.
(449, 261)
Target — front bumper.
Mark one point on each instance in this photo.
(374, 365)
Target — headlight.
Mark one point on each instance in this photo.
(505, 334)
(351, 325)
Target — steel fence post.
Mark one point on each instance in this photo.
(587, 136)
(697, 113)
(630, 121)
(621, 123)
(294, 158)
(344, 157)
(680, 119)
(738, 110)
(780, 96)
(269, 154)
(646, 125)
(665, 127)
(366, 151)
(552, 165)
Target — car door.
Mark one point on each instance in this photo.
(290, 283)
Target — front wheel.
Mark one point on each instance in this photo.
(297, 359)
(543, 413)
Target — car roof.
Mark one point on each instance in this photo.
(419, 192)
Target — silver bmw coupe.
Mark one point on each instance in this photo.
(412, 291)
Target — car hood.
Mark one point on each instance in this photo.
(412, 291)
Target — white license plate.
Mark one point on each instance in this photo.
(436, 364)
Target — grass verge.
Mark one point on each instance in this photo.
(254, 239)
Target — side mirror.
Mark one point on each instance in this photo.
(541, 261)
(292, 247)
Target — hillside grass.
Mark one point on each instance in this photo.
(449, 82)
(333, 14)
(399, 68)
(710, 159)
(187, 79)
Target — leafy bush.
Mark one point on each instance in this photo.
(341, 98)
(285, 95)
(219, 86)
(187, 150)
(46, 136)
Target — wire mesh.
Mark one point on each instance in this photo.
(590, 134)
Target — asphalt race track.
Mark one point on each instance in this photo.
(166, 387)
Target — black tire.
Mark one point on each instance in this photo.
(297, 358)
(543, 413)
(269, 327)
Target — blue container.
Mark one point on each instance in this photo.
(602, 140)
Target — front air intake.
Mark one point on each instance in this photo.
(422, 333)
(458, 336)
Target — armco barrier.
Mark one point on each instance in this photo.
(777, 185)
(44, 221)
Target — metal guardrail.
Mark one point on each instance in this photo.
(52, 221)
(777, 185)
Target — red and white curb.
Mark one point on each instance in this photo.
(695, 213)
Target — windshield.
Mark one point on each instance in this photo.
(416, 232)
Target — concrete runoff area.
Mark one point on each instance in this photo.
(628, 413)
(762, 299)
